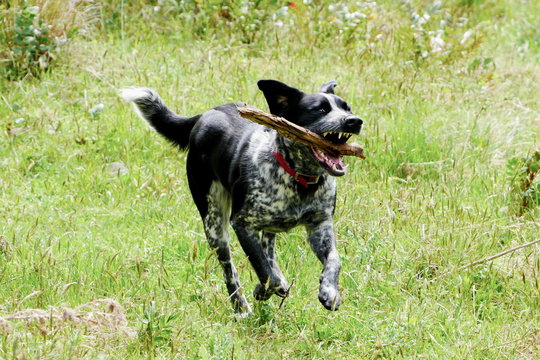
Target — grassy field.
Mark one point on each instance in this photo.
(94, 205)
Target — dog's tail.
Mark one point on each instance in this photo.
(151, 108)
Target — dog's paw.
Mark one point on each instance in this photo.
(263, 293)
(240, 305)
(329, 297)
(260, 293)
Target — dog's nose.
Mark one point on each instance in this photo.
(352, 124)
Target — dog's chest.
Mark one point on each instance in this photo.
(272, 202)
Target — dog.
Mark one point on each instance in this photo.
(248, 176)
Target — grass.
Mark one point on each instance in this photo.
(432, 196)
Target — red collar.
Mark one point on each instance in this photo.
(304, 180)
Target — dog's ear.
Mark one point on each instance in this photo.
(328, 87)
(278, 95)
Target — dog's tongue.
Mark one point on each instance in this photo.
(334, 164)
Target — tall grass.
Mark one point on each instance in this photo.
(94, 205)
(67, 16)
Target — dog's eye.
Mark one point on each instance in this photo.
(347, 108)
(324, 109)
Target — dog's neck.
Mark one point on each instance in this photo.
(299, 157)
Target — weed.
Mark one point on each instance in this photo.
(522, 173)
(157, 328)
(30, 48)
(30, 36)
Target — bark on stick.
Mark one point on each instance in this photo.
(299, 133)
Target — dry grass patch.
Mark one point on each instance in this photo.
(101, 318)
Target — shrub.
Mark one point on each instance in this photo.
(29, 46)
(30, 35)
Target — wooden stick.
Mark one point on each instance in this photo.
(486, 259)
(299, 133)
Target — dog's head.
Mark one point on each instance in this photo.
(323, 113)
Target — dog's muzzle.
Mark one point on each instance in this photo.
(352, 124)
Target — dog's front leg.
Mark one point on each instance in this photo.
(323, 242)
(261, 257)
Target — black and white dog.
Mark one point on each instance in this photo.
(247, 175)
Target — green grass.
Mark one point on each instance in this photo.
(432, 195)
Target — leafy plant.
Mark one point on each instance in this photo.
(157, 328)
(29, 46)
(522, 173)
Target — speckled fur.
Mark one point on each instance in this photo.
(235, 180)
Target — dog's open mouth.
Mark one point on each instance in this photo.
(333, 164)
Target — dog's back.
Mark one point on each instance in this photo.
(216, 139)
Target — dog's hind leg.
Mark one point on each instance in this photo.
(267, 242)
(261, 258)
(216, 225)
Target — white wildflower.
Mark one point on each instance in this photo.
(355, 15)
(96, 110)
(424, 19)
(283, 11)
(465, 37)
(462, 21)
(437, 43)
(59, 41)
